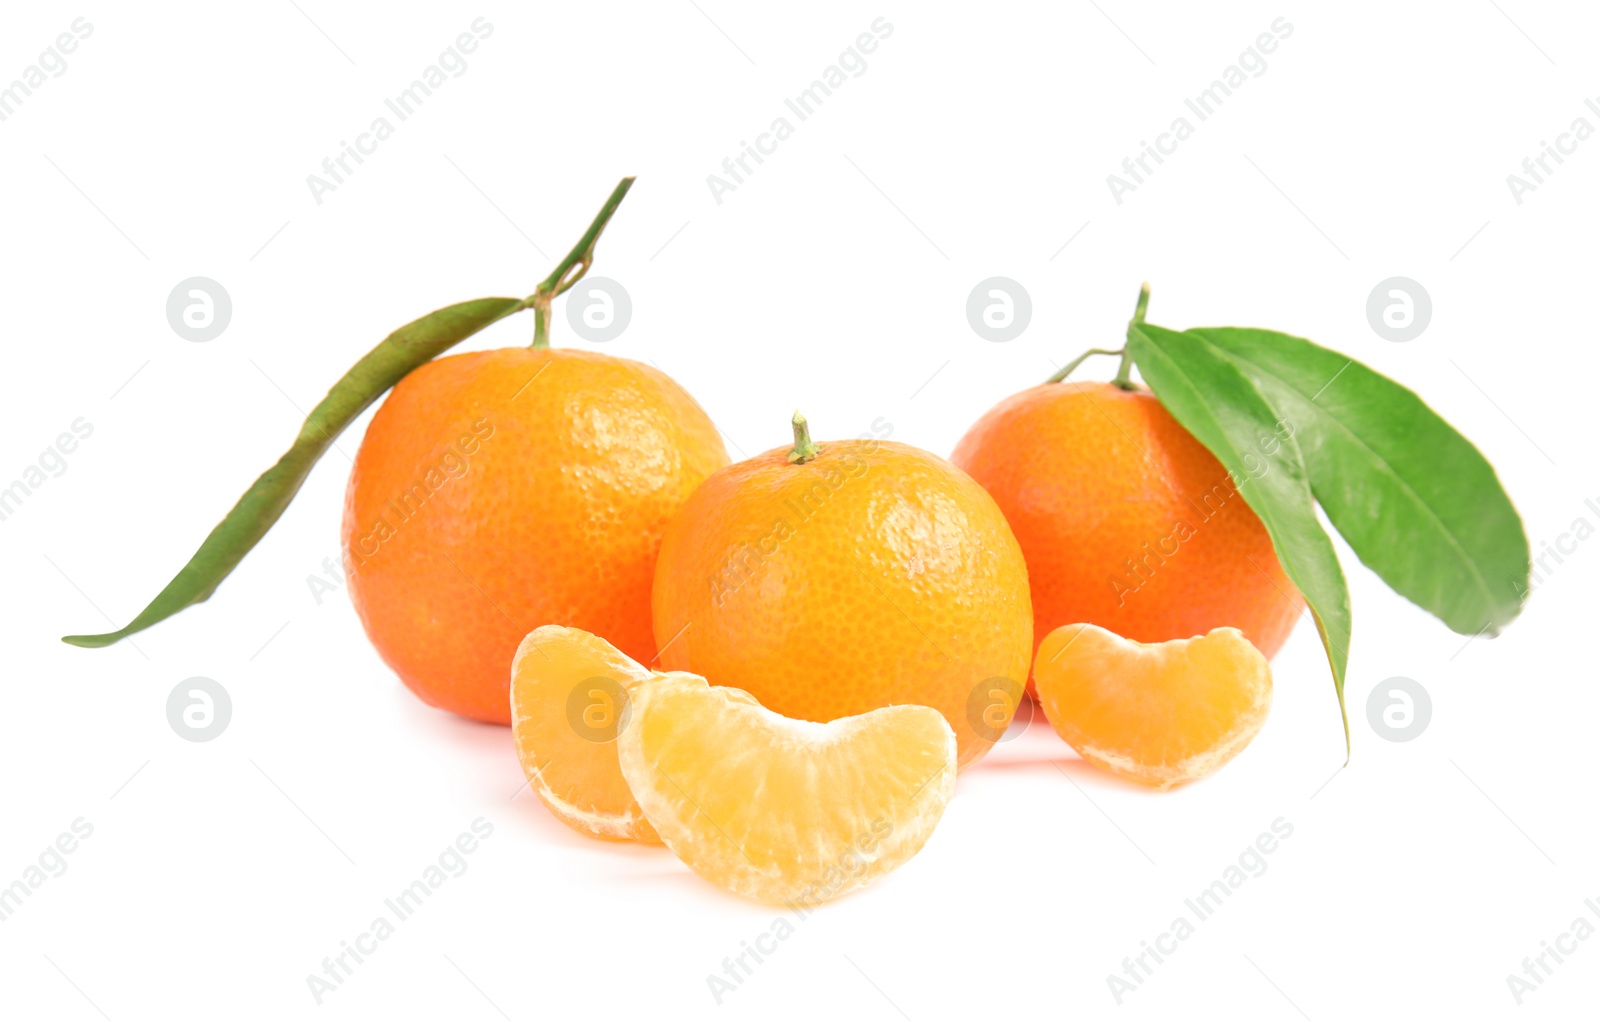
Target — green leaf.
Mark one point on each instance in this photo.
(1414, 498)
(1212, 398)
(405, 349)
(265, 501)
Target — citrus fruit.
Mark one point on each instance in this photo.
(845, 576)
(569, 699)
(782, 810)
(1162, 713)
(1126, 520)
(499, 490)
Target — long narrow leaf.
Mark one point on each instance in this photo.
(265, 501)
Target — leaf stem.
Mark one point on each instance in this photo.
(541, 324)
(804, 449)
(1067, 370)
(581, 257)
(1125, 370)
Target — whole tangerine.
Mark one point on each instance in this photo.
(497, 491)
(837, 578)
(1126, 520)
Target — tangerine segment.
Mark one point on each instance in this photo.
(1162, 713)
(569, 696)
(781, 810)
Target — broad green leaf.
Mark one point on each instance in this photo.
(1212, 398)
(1414, 498)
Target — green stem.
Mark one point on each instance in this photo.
(804, 450)
(1070, 366)
(1143, 303)
(1124, 378)
(581, 257)
(1125, 370)
(541, 324)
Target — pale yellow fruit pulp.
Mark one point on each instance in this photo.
(569, 764)
(781, 810)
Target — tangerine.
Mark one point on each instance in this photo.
(841, 577)
(1125, 519)
(499, 490)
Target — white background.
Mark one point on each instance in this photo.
(219, 875)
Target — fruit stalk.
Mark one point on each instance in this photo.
(581, 256)
(804, 449)
(1072, 366)
(1125, 370)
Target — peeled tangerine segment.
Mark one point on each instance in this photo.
(780, 810)
(570, 693)
(1162, 713)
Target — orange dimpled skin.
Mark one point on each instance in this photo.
(1126, 520)
(496, 491)
(875, 574)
